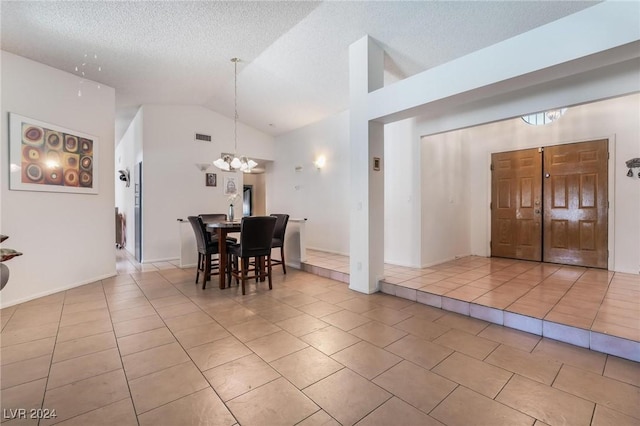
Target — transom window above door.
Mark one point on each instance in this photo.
(545, 117)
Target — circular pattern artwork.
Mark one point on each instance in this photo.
(86, 146)
(53, 140)
(31, 154)
(32, 135)
(86, 179)
(32, 173)
(71, 177)
(51, 157)
(70, 143)
(53, 176)
(86, 162)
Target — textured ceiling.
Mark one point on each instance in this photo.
(294, 68)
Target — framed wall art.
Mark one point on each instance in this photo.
(211, 179)
(50, 158)
(230, 186)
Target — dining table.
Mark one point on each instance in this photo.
(222, 229)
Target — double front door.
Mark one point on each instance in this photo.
(550, 204)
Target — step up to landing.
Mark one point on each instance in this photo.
(597, 341)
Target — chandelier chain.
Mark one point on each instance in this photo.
(235, 161)
(235, 104)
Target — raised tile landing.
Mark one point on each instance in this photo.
(590, 308)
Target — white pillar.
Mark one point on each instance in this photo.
(366, 248)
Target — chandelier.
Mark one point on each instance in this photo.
(229, 161)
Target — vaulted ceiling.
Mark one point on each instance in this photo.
(294, 55)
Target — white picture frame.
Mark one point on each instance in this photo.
(230, 185)
(48, 158)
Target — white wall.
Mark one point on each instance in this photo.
(402, 194)
(67, 239)
(445, 199)
(172, 185)
(321, 196)
(618, 119)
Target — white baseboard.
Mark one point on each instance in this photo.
(56, 290)
(327, 251)
(170, 259)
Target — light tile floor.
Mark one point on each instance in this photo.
(153, 348)
(591, 303)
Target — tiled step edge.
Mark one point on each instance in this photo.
(618, 346)
(325, 272)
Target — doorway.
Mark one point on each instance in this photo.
(551, 204)
(247, 200)
(137, 191)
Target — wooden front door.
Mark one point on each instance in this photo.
(575, 204)
(551, 204)
(516, 197)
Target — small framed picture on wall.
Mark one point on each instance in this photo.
(211, 179)
(230, 187)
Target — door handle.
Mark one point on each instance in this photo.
(547, 175)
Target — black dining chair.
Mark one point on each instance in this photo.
(207, 247)
(278, 238)
(256, 235)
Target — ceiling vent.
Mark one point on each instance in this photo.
(202, 137)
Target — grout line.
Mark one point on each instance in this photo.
(183, 348)
(183, 289)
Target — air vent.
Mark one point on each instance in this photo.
(203, 137)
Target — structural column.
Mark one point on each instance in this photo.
(366, 247)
